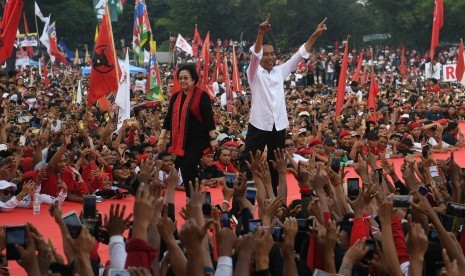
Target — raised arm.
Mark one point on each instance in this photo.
(320, 29)
(264, 27)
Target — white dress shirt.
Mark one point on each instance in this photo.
(216, 87)
(267, 90)
(224, 101)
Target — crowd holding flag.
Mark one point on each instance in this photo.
(341, 83)
(9, 26)
(105, 73)
(141, 29)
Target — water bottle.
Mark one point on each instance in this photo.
(36, 204)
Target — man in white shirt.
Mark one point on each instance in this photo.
(268, 115)
(218, 86)
(224, 101)
(354, 90)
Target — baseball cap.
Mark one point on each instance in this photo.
(118, 165)
(329, 141)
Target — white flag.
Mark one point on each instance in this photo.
(79, 93)
(123, 97)
(146, 56)
(182, 44)
(39, 13)
(45, 39)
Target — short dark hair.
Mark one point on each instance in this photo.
(192, 72)
(163, 154)
(451, 126)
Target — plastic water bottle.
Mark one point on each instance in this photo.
(36, 204)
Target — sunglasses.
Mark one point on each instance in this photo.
(289, 145)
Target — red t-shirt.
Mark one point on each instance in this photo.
(50, 186)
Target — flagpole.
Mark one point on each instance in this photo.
(37, 31)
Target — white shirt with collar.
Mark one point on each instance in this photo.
(216, 87)
(224, 101)
(268, 101)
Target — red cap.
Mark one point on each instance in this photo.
(314, 142)
(152, 140)
(304, 151)
(419, 105)
(413, 125)
(442, 121)
(343, 133)
(142, 157)
(27, 164)
(231, 144)
(462, 107)
(407, 106)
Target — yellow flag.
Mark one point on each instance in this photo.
(96, 34)
(76, 57)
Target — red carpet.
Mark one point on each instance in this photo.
(49, 229)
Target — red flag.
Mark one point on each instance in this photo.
(29, 49)
(374, 89)
(9, 26)
(176, 86)
(196, 42)
(227, 83)
(206, 59)
(341, 83)
(460, 67)
(105, 73)
(236, 80)
(402, 68)
(218, 65)
(438, 21)
(356, 76)
(364, 78)
(54, 50)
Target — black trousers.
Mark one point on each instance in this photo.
(257, 139)
(188, 164)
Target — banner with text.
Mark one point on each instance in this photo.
(448, 73)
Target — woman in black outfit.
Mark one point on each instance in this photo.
(190, 121)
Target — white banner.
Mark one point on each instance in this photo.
(448, 73)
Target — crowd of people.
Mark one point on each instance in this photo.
(394, 221)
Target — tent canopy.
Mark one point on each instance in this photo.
(132, 69)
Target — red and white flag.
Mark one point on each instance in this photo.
(182, 44)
